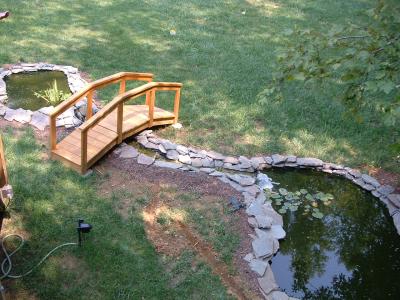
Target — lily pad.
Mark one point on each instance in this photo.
(283, 191)
(317, 215)
(303, 191)
(309, 197)
(282, 210)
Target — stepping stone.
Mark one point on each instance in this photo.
(40, 120)
(128, 152)
(145, 160)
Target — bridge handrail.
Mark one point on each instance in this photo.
(149, 90)
(88, 91)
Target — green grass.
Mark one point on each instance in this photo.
(223, 57)
(116, 261)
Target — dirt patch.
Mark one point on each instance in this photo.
(165, 222)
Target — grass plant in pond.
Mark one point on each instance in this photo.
(352, 252)
(53, 95)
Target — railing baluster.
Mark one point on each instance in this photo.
(53, 133)
(122, 86)
(176, 104)
(120, 117)
(151, 107)
(83, 151)
(89, 105)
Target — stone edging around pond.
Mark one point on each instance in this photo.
(267, 223)
(70, 118)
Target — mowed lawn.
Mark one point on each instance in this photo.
(224, 53)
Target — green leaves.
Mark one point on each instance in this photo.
(364, 60)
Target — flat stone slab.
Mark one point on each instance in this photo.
(263, 247)
(39, 120)
(264, 221)
(259, 266)
(167, 164)
(128, 152)
(243, 180)
(145, 160)
(267, 282)
(309, 162)
(370, 180)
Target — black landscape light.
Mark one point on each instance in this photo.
(82, 228)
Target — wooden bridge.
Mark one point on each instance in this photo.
(114, 122)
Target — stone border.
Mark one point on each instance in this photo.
(72, 117)
(267, 223)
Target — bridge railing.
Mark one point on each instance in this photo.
(149, 90)
(88, 92)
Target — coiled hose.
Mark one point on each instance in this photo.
(6, 265)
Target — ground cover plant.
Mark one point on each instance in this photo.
(224, 53)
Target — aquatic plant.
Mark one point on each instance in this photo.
(291, 201)
(53, 95)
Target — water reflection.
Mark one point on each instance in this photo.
(353, 252)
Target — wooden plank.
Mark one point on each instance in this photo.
(59, 155)
(66, 155)
(99, 129)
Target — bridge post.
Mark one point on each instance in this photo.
(151, 107)
(120, 117)
(89, 105)
(176, 104)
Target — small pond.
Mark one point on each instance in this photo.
(21, 88)
(351, 252)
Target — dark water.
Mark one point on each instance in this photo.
(353, 252)
(21, 88)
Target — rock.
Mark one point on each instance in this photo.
(268, 160)
(22, 116)
(248, 198)
(309, 162)
(196, 162)
(172, 154)
(270, 212)
(231, 160)
(128, 152)
(162, 149)
(396, 221)
(207, 163)
(394, 199)
(278, 159)
(151, 145)
(267, 282)
(231, 167)
(243, 180)
(255, 209)
(264, 182)
(177, 126)
(291, 159)
(278, 232)
(218, 163)
(264, 221)
(252, 189)
(185, 159)
(207, 170)
(258, 163)
(368, 187)
(145, 160)
(263, 247)
(370, 180)
(182, 149)
(154, 140)
(252, 222)
(249, 257)
(167, 164)
(278, 295)
(245, 163)
(385, 190)
(168, 145)
(215, 155)
(3, 110)
(354, 173)
(259, 266)
(261, 198)
(39, 120)
(216, 174)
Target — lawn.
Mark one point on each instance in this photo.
(224, 53)
(117, 260)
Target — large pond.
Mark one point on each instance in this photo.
(351, 252)
(21, 88)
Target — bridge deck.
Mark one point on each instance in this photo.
(103, 136)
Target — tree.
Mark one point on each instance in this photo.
(365, 61)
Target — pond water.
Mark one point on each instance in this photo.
(21, 88)
(353, 252)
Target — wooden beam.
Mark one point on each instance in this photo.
(122, 87)
(83, 151)
(120, 119)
